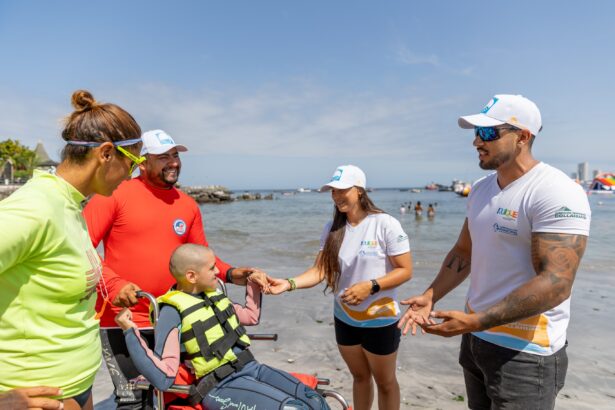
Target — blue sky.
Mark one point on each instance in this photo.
(276, 94)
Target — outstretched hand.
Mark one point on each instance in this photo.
(454, 323)
(278, 285)
(418, 314)
(260, 278)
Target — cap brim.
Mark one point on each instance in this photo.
(478, 120)
(335, 185)
(163, 149)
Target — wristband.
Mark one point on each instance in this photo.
(293, 285)
(229, 275)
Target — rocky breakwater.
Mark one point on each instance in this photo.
(219, 194)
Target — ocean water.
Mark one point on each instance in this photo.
(282, 237)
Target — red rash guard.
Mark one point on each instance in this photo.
(140, 226)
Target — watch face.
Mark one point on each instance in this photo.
(375, 286)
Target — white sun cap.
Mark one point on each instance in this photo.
(515, 110)
(344, 177)
(158, 142)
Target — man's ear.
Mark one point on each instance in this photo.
(524, 137)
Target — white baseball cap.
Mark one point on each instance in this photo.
(158, 142)
(344, 177)
(515, 110)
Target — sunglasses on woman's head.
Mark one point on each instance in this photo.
(487, 134)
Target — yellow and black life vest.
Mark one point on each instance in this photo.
(209, 329)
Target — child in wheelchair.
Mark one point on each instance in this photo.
(199, 327)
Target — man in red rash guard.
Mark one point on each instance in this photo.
(141, 225)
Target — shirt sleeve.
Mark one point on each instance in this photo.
(561, 209)
(396, 239)
(159, 366)
(250, 313)
(21, 226)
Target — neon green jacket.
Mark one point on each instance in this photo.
(48, 276)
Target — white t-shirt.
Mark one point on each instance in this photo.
(501, 223)
(363, 256)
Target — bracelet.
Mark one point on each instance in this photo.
(229, 275)
(293, 285)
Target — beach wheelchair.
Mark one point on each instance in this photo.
(175, 398)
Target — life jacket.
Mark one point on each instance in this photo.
(209, 329)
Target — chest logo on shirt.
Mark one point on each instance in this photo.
(508, 214)
(179, 226)
(368, 248)
(565, 212)
(504, 229)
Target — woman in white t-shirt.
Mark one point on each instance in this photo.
(364, 256)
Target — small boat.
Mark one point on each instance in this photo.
(304, 190)
(415, 190)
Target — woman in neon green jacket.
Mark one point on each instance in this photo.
(48, 268)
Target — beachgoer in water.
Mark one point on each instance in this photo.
(49, 335)
(200, 326)
(364, 256)
(431, 212)
(402, 209)
(418, 209)
(521, 244)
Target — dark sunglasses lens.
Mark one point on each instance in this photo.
(486, 133)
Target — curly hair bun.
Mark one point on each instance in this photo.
(83, 100)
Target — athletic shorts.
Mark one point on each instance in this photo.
(376, 340)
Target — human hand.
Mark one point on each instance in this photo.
(419, 308)
(127, 296)
(278, 285)
(260, 278)
(357, 293)
(31, 398)
(124, 319)
(454, 323)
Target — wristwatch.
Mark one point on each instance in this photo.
(375, 287)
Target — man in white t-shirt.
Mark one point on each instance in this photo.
(525, 233)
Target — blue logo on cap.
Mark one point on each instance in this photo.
(489, 105)
(338, 175)
(179, 227)
(165, 139)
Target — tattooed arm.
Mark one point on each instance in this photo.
(556, 258)
(454, 270)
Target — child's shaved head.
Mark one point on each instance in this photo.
(188, 256)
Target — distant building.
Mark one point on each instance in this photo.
(43, 161)
(597, 172)
(583, 171)
(573, 175)
(7, 170)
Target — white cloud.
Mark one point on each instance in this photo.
(408, 57)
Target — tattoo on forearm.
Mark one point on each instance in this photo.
(556, 258)
(458, 263)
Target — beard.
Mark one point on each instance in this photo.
(496, 161)
(169, 176)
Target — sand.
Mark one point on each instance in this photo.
(428, 373)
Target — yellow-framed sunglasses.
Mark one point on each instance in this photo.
(135, 160)
(117, 144)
